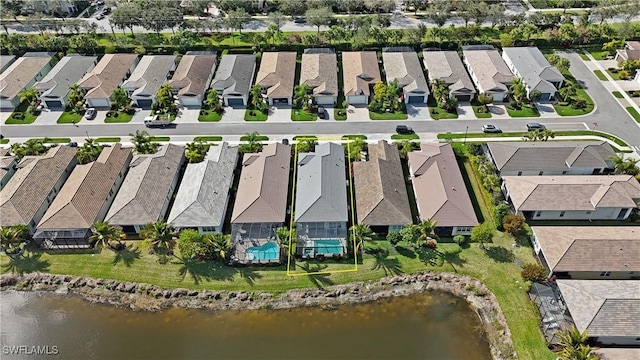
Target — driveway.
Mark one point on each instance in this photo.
(418, 112)
(498, 111)
(138, 117)
(546, 109)
(187, 115)
(279, 113)
(4, 116)
(358, 113)
(48, 117)
(233, 115)
(465, 111)
(101, 116)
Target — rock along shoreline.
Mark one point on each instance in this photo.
(146, 297)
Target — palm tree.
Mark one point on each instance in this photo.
(120, 99)
(624, 166)
(583, 352)
(404, 148)
(164, 97)
(253, 143)
(160, 234)
(517, 90)
(142, 142)
(306, 145)
(302, 96)
(218, 244)
(29, 147)
(89, 151)
(545, 134)
(10, 238)
(286, 236)
(213, 100)
(196, 151)
(572, 337)
(104, 234)
(75, 102)
(569, 90)
(29, 95)
(426, 231)
(361, 233)
(257, 101)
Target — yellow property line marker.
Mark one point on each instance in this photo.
(293, 198)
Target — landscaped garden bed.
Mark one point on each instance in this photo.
(209, 115)
(21, 115)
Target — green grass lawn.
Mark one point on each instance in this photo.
(208, 138)
(597, 54)
(617, 94)
(337, 116)
(55, 140)
(438, 113)
(28, 118)
(476, 110)
(305, 137)
(121, 118)
(525, 111)
(69, 118)
(353, 137)
(633, 113)
(396, 115)
(297, 114)
(615, 139)
(405, 136)
(108, 139)
(255, 115)
(564, 109)
(258, 138)
(584, 56)
(614, 75)
(207, 115)
(600, 75)
(160, 138)
(4, 141)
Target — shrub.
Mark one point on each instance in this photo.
(534, 273)
(460, 240)
(624, 75)
(18, 115)
(499, 212)
(394, 238)
(475, 149)
(578, 103)
(432, 244)
(513, 224)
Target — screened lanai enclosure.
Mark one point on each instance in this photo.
(553, 311)
(325, 239)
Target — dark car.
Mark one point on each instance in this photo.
(72, 144)
(489, 128)
(404, 129)
(106, 10)
(321, 112)
(535, 127)
(299, 20)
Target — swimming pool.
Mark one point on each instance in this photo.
(268, 251)
(328, 247)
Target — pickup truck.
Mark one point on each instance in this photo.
(155, 122)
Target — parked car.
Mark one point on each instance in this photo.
(535, 127)
(72, 144)
(100, 16)
(106, 10)
(90, 114)
(299, 20)
(489, 128)
(404, 129)
(321, 112)
(155, 122)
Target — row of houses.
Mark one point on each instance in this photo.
(193, 75)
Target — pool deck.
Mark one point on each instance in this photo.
(310, 243)
(239, 252)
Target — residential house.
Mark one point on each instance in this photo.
(441, 194)
(105, 77)
(148, 77)
(320, 72)
(588, 252)
(57, 7)
(261, 205)
(54, 87)
(447, 66)
(380, 190)
(631, 51)
(618, 353)
(402, 65)
(360, 72)
(551, 157)
(83, 200)
(193, 76)
(203, 197)
(321, 211)
(21, 75)
(536, 73)
(608, 310)
(6, 61)
(234, 78)
(26, 197)
(579, 197)
(277, 75)
(147, 189)
(489, 72)
(7, 166)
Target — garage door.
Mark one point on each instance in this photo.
(99, 103)
(54, 104)
(281, 101)
(545, 96)
(235, 102)
(357, 99)
(145, 103)
(190, 100)
(325, 100)
(464, 97)
(416, 99)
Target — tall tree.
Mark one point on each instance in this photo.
(10, 239)
(159, 234)
(482, 234)
(559, 62)
(237, 18)
(89, 151)
(628, 166)
(104, 234)
(216, 246)
(292, 7)
(319, 17)
(362, 234)
(439, 11)
(142, 143)
(29, 147)
(253, 143)
(120, 100)
(196, 151)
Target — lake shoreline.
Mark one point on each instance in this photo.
(146, 297)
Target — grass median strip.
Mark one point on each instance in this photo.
(633, 113)
(4, 141)
(600, 75)
(405, 137)
(257, 138)
(208, 138)
(617, 94)
(55, 140)
(615, 139)
(108, 139)
(160, 138)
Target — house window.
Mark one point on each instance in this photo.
(562, 213)
(519, 173)
(538, 213)
(540, 173)
(605, 274)
(564, 172)
(208, 228)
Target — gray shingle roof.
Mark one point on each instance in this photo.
(21, 72)
(32, 183)
(150, 74)
(146, 188)
(558, 155)
(5, 61)
(533, 67)
(235, 74)
(321, 190)
(68, 71)
(447, 65)
(202, 197)
(440, 191)
(603, 307)
(405, 67)
(380, 190)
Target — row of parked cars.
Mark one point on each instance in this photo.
(486, 128)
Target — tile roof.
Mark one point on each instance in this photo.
(491, 71)
(6, 160)
(32, 183)
(359, 71)
(440, 191)
(68, 71)
(618, 353)
(603, 307)
(631, 50)
(264, 185)
(235, 74)
(320, 71)
(380, 190)
(78, 203)
(277, 73)
(575, 192)
(533, 67)
(107, 75)
(20, 73)
(202, 197)
(192, 74)
(146, 187)
(405, 67)
(6, 60)
(447, 65)
(590, 248)
(150, 74)
(551, 155)
(321, 190)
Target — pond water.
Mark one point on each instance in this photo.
(431, 325)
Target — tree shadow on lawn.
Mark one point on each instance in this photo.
(126, 256)
(27, 262)
(406, 252)
(249, 275)
(318, 280)
(500, 254)
(200, 271)
(390, 266)
(436, 257)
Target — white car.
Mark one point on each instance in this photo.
(90, 114)
(489, 128)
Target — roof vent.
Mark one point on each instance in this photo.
(453, 188)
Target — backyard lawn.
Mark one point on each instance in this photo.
(69, 118)
(524, 111)
(396, 115)
(255, 115)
